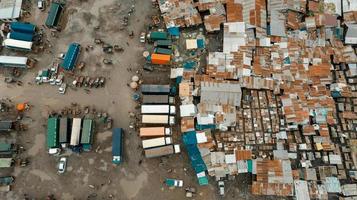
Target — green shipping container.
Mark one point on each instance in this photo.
(158, 35)
(163, 51)
(52, 132)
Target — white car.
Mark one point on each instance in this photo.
(62, 88)
(62, 165)
(41, 5)
(221, 188)
(59, 79)
(54, 151)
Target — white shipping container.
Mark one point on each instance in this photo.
(156, 142)
(158, 109)
(76, 131)
(154, 131)
(157, 119)
(13, 61)
(17, 44)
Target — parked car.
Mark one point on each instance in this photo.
(174, 182)
(41, 4)
(53, 79)
(62, 165)
(54, 151)
(62, 88)
(221, 188)
(59, 79)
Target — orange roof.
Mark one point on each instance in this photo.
(161, 59)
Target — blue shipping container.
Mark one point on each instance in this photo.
(71, 56)
(21, 36)
(22, 27)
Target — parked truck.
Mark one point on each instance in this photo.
(157, 35)
(155, 89)
(158, 99)
(154, 131)
(156, 142)
(163, 51)
(162, 151)
(158, 109)
(158, 119)
(163, 43)
(117, 145)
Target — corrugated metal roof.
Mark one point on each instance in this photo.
(221, 93)
(71, 56)
(10, 9)
(301, 190)
(54, 14)
(52, 132)
(87, 131)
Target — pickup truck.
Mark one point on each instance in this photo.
(174, 182)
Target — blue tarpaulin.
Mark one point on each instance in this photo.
(200, 43)
(174, 31)
(22, 27)
(178, 79)
(21, 36)
(189, 138)
(206, 126)
(189, 64)
(70, 59)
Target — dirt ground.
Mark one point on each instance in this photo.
(129, 180)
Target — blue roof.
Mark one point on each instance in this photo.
(22, 27)
(189, 138)
(21, 36)
(117, 141)
(200, 43)
(70, 59)
(190, 142)
(189, 64)
(54, 14)
(174, 31)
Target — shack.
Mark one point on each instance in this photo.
(71, 56)
(52, 132)
(54, 15)
(87, 134)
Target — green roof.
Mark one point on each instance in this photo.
(5, 162)
(87, 131)
(52, 132)
(54, 14)
(5, 147)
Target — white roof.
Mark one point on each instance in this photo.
(201, 137)
(230, 158)
(191, 44)
(10, 9)
(205, 119)
(301, 190)
(14, 60)
(187, 110)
